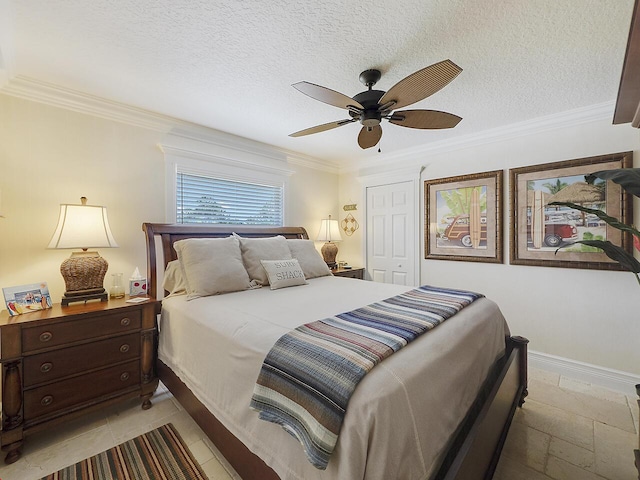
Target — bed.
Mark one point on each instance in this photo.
(438, 409)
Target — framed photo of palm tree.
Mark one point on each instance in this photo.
(542, 234)
(464, 217)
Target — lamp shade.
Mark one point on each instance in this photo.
(329, 231)
(82, 226)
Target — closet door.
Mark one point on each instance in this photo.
(391, 231)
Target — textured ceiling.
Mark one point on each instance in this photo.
(230, 64)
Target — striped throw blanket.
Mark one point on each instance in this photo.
(309, 375)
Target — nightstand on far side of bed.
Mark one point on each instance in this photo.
(349, 272)
(67, 361)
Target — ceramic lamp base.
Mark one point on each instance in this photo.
(329, 252)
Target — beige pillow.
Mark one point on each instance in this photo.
(256, 249)
(283, 273)
(211, 266)
(173, 281)
(311, 261)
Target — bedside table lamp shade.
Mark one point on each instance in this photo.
(329, 232)
(83, 226)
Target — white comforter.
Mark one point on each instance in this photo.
(401, 415)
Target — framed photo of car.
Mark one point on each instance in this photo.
(539, 229)
(464, 217)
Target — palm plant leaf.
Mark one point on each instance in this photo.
(627, 178)
(614, 252)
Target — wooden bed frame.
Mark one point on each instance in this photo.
(477, 445)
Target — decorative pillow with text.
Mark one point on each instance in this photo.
(284, 273)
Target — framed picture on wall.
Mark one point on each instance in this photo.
(539, 229)
(464, 217)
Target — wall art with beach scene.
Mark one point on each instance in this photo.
(539, 228)
(464, 217)
(27, 298)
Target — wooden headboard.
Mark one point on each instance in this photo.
(169, 233)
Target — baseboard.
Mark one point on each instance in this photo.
(596, 375)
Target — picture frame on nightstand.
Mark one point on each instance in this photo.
(27, 298)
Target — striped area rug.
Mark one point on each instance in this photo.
(156, 455)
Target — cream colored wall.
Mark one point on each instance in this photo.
(313, 195)
(590, 316)
(49, 156)
(351, 247)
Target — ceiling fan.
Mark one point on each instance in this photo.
(371, 106)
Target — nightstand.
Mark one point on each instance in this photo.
(350, 273)
(67, 361)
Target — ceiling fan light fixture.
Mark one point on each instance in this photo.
(370, 118)
(371, 106)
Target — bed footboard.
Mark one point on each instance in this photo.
(474, 453)
(476, 449)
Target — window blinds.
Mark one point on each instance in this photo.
(202, 199)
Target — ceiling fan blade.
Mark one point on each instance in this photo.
(421, 84)
(322, 128)
(426, 119)
(327, 95)
(369, 136)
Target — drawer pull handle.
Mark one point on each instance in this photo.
(124, 377)
(46, 367)
(124, 348)
(46, 336)
(46, 400)
(125, 322)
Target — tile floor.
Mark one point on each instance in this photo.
(50, 451)
(570, 430)
(567, 430)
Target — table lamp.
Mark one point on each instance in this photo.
(329, 233)
(83, 226)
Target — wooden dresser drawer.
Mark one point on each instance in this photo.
(55, 364)
(46, 336)
(80, 390)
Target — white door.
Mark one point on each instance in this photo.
(391, 230)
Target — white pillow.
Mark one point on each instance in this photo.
(284, 273)
(256, 249)
(173, 281)
(311, 262)
(211, 266)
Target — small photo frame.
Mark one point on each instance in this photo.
(539, 231)
(464, 217)
(27, 298)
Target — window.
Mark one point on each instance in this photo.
(206, 199)
(221, 180)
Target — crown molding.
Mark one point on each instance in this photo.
(51, 94)
(221, 139)
(310, 162)
(570, 118)
(44, 92)
(57, 96)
